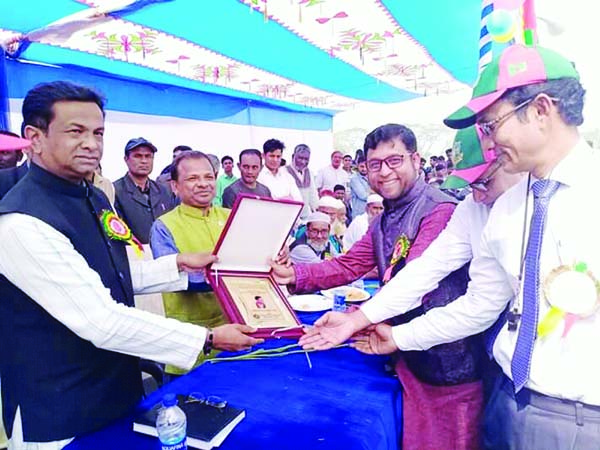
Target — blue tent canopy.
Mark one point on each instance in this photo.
(265, 62)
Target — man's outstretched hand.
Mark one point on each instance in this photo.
(334, 328)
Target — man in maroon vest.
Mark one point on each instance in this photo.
(414, 214)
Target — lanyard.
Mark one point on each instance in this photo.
(514, 313)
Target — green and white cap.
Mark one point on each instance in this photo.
(470, 159)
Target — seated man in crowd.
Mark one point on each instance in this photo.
(249, 165)
(314, 246)
(193, 226)
(360, 224)
(414, 214)
(334, 208)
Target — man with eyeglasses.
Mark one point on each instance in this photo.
(314, 246)
(414, 215)
(539, 259)
(459, 242)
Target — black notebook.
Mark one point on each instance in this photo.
(207, 426)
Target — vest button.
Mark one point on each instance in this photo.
(121, 276)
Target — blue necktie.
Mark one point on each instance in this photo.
(543, 190)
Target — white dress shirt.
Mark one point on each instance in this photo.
(564, 367)
(456, 245)
(328, 177)
(282, 185)
(43, 263)
(356, 230)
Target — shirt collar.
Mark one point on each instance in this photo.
(571, 169)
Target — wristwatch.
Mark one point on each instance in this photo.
(208, 344)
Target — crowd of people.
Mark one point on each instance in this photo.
(487, 259)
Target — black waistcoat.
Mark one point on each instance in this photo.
(64, 385)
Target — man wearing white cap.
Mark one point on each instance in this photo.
(333, 208)
(10, 176)
(360, 224)
(314, 246)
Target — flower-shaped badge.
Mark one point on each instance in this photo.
(116, 228)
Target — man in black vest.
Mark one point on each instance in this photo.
(70, 337)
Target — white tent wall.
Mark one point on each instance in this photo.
(212, 137)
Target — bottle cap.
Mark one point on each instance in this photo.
(169, 400)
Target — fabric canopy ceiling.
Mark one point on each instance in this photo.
(300, 55)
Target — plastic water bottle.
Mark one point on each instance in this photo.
(339, 301)
(171, 425)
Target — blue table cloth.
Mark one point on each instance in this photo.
(346, 401)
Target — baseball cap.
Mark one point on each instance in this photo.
(8, 142)
(517, 65)
(470, 160)
(137, 142)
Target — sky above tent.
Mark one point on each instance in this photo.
(302, 55)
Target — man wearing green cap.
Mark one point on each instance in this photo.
(539, 261)
(455, 246)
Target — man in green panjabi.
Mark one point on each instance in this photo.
(195, 225)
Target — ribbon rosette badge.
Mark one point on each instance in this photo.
(573, 293)
(116, 228)
(400, 252)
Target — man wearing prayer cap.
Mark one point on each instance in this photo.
(314, 245)
(334, 208)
